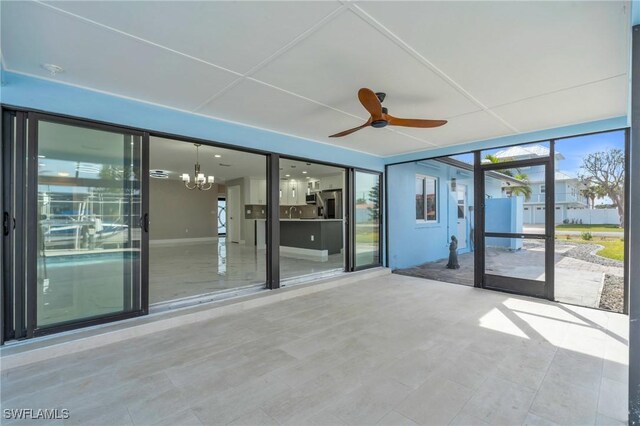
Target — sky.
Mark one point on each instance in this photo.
(573, 149)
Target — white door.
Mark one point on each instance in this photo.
(462, 216)
(234, 213)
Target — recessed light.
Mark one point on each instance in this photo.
(287, 175)
(63, 174)
(52, 69)
(41, 164)
(304, 172)
(217, 155)
(308, 177)
(42, 156)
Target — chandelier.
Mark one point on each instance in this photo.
(200, 181)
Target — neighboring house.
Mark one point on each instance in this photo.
(568, 189)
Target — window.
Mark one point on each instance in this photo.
(542, 189)
(426, 203)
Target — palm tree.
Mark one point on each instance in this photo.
(524, 189)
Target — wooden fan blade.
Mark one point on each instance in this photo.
(348, 132)
(411, 122)
(371, 103)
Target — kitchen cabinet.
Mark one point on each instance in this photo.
(257, 191)
(293, 193)
(332, 182)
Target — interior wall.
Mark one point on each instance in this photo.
(178, 213)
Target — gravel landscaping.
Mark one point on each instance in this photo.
(585, 251)
(612, 298)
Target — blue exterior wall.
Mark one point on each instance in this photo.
(413, 243)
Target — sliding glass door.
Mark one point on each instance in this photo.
(366, 220)
(86, 224)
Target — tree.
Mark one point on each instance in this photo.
(525, 188)
(604, 170)
(593, 193)
(374, 212)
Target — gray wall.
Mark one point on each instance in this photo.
(176, 212)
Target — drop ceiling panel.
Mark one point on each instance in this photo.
(234, 35)
(465, 128)
(595, 101)
(178, 157)
(276, 110)
(101, 59)
(346, 54)
(506, 51)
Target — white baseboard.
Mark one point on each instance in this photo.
(304, 253)
(173, 241)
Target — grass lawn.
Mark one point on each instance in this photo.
(613, 247)
(590, 228)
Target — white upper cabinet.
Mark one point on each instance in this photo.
(332, 182)
(257, 191)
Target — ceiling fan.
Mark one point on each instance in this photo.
(372, 102)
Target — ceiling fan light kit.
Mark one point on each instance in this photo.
(380, 117)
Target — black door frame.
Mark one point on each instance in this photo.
(24, 205)
(21, 266)
(352, 228)
(512, 284)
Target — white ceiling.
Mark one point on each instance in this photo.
(490, 68)
(177, 157)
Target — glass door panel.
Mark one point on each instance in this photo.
(367, 219)
(89, 217)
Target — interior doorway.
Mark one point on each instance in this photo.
(233, 219)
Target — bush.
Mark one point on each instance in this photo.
(586, 236)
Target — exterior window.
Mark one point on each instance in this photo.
(426, 202)
(542, 189)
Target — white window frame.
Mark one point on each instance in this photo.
(424, 179)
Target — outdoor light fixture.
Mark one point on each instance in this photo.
(199, 179)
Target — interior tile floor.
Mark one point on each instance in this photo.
(185, 270)
(390, 350)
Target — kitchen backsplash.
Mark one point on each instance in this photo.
(259, 211)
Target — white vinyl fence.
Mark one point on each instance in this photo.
(594, 216)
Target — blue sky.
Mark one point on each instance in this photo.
(573, 149)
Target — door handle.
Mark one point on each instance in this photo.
(144, 222)
(8, 223)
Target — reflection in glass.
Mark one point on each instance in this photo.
(88, 242)
(367, 219)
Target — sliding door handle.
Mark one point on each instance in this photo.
(8, 223)
(145, 222)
